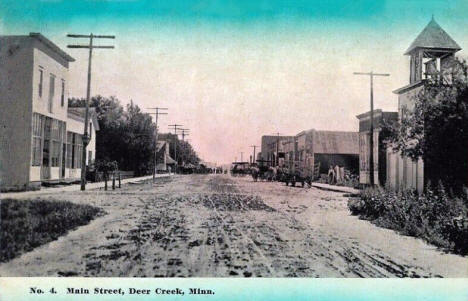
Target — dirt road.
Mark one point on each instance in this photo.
(219, 226)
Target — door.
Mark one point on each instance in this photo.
(64, 158)
(45, 168)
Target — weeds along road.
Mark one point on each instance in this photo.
(220, 226)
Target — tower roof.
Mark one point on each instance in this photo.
(433, 36)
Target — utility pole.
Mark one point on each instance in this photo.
(176, 127)
(156, 114)
(86, 136)
(371, 138)
(185, 132)
(254, 153)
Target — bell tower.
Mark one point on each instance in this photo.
(428, 52)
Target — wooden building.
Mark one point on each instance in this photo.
(40, 137)
(380, 150)
(430, 55)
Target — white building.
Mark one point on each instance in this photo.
(35, 120)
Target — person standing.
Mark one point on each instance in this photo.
(337, 175)
(331, 175)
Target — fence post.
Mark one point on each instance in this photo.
(105, 181)
(119, 179)
(113, 181)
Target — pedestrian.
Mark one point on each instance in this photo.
(337, 174)
(331, 175)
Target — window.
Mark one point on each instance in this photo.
(78, 148)
(46, 144)
(51, 92)
(62, 95)
(37, 139)
(55, 138)
(55, 153)
(41, 79)
(70, 155)
(45, 153)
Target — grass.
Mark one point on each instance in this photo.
(25, 225)
(435, 216)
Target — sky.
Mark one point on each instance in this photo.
(234, 70)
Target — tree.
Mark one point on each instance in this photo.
(436, 128)
(125, 135)
(139, 140)
(185, 152)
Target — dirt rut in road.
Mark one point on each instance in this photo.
(214, 226)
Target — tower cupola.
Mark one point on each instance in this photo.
(428, 52)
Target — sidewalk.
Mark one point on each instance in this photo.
(335, 188)
(75, 187)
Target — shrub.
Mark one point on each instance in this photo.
(26, 225)
(436, 216)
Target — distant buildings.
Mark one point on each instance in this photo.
(164, 162)
(271, 149)
(312, 147)
(40, 137)
(329, 148)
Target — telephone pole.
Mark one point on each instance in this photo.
(253, 157)
(185, 132)
(176, 127)
(86, 137)
(371, 138)
(156, 114)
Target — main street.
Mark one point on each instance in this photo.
(223, 226)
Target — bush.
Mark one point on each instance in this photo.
(435, 216)
(26, 225)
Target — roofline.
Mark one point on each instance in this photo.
(52, 46)
(442, 49)
(327, 131)
(365, 114)
(408, 87)
(78, 117)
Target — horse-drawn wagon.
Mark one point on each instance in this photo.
(298, 172)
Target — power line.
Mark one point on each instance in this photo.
(86, 137)
(371, 138)
(185, 132)
(156, 115)
(175, 126)
(254, 153)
